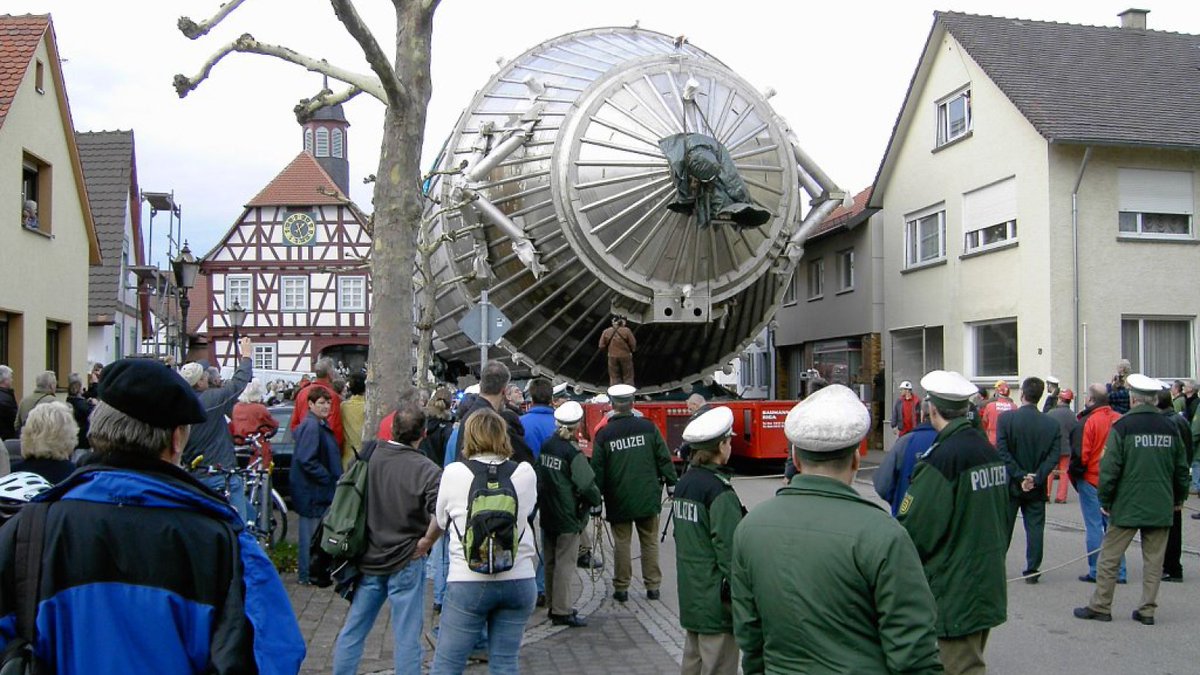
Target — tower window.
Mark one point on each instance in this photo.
(308, 140)
(322, 142)
(337, 143)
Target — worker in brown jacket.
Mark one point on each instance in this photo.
(621, 345)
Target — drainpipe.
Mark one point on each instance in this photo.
(1087, 155)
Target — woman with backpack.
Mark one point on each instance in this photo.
(491, 580)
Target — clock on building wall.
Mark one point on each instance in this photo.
(299, 229)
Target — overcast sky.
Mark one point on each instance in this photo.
(840, 69)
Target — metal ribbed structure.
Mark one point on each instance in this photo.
(567, 222)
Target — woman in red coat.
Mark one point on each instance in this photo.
(251, 417)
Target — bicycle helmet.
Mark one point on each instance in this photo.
(22, 486)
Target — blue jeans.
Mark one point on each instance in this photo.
(237, 492)
(501, 606)
(308, 527)
(439, 567)
(1094, 523)
(1196, 475)
(404, 591)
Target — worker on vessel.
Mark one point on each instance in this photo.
(618, 341)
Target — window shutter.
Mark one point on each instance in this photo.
(991, 205)
(1154, 191)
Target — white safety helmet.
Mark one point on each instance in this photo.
(23, 486)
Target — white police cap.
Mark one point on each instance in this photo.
(830, 419)
(568, 413)
(560, 390)
(600, 398)
(1146, 385)
(709, 428)
(1051, 380)
(948, 387)
(473, 389)
(621, 391)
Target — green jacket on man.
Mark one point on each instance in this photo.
(631, 462)
(1144, 471)
(956, 512)
(825, 581)
(706, 511)
(566, 487)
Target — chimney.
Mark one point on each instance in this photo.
(1134, 18)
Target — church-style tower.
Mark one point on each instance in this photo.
(326, 138)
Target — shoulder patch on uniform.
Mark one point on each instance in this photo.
(906, 504)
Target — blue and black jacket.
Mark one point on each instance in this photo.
(145, 570)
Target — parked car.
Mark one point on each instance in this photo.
(282, 448)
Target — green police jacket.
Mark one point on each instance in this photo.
(1144, 471)
(956, 512)
(566, 487)
(825, 581)
(631, 462)
(706, 511)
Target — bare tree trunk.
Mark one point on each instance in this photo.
(398, 205)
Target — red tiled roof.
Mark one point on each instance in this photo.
(19, 37)
(842, 215)
(302, 183)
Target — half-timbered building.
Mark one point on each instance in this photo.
(296, 261)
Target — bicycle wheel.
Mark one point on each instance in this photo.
(279, 522)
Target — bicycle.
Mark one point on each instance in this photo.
(268, 519)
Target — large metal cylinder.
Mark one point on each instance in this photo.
(565, 219)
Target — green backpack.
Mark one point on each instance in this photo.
(492, 537)
(344, 527)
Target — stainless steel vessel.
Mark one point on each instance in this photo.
(564, 217)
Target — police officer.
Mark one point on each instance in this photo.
(1143, 479)
(632, 462)
(823, 579)
(956, 512)
(707, 511)
(566, 488)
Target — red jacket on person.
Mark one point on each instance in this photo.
(1095, 435)
(990, 417)
(335, 410)
(253, 418)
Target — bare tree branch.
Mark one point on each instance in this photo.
(194, 30)
(308, 106)
(397, 93)
(247, 44)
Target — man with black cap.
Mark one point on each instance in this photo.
(956, 512)
(1143, 481)
(152, 571)
(632, 462)
(825, 580)
(707, 512)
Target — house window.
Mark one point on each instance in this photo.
(953, 117)
(295, 294)
(4, 339)
(322, 142)
(992, 347)
(352, 294)
(1155, 204)
(838, 361)
(791, 292)
(39, 77)
(308, 140)
(264, 357)
(58, 350)
(845, 270)
(816, 279)
(337, 142)
(35, 194)
(53, 343)
(925, 238)
(238, 289)
(1158, 347)
(990, 216)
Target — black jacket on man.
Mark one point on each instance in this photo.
(8, 414)
(1029, 442)
(516, 430)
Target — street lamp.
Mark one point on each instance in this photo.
(185, 267)
(237, 318)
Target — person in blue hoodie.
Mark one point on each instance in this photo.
(892, 476)
(539, 420)
(150, 570)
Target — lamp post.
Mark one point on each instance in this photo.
(185, 267)
(237, 318)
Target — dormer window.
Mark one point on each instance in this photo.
(953, 117)
(308, 140)
(322, 142)
(337, 143)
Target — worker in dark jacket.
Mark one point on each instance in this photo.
(316, 467)
(1029, 442)
(707, 512)
(825, 581)
(493, 380)
(1143, 479)
(632, 462)
(145, 570)
(566, 489)
(956, 512)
